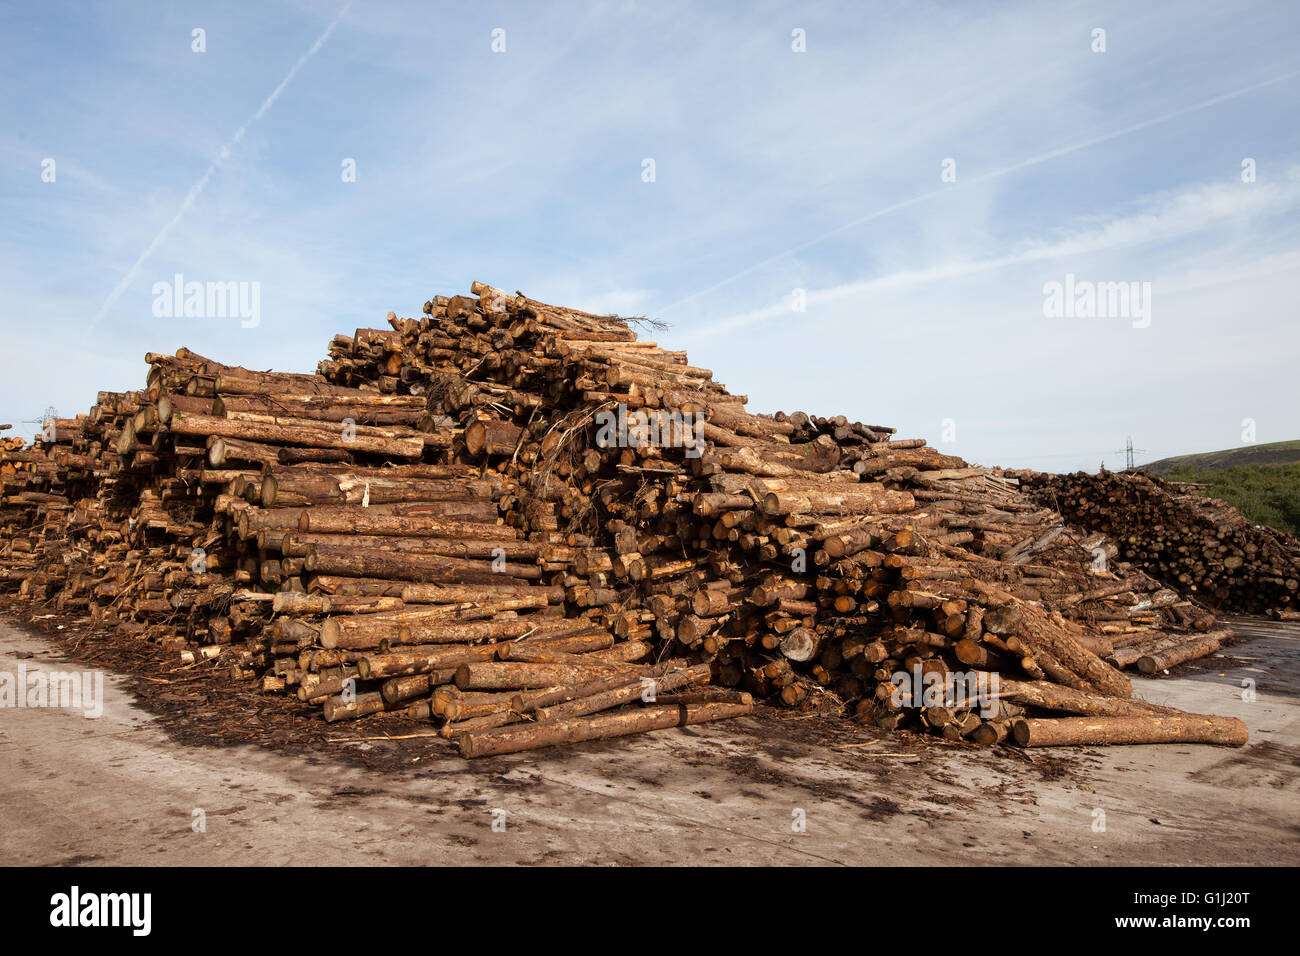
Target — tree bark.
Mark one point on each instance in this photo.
(515, 738)
(1096, 731)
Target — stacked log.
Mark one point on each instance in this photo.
(358, 565)
(24, 483)
(803, 558)
(1199, 546)
(39, 490)
(525, 524)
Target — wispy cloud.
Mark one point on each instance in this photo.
(980, 179)
(1158, 219)
(196, 190)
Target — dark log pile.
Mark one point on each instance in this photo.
(527, 525)
(1200, 546)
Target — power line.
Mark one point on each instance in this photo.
(1129, 450)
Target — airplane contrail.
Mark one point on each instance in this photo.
(196, 190)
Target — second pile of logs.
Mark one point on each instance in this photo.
(1200, 545)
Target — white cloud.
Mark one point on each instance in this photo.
(1156, 219)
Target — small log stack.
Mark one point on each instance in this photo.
(1200, 546)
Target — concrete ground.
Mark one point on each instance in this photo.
(118, 790)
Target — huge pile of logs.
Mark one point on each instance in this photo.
(1200, 546)
(526, 524)
(803, 559)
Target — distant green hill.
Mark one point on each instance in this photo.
(1274, 453)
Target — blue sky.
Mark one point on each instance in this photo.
(775, 170)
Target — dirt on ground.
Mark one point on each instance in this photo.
(275, 784)
(202, 705)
